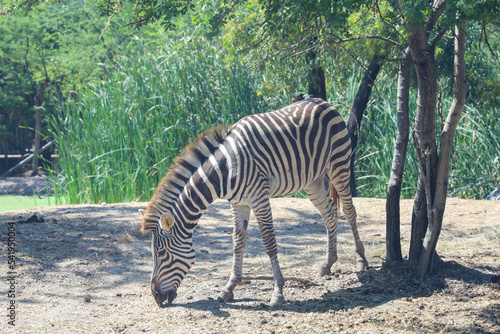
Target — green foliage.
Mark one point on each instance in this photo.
(117, 143)
(475, 166)
(483, 68)
(75, 45)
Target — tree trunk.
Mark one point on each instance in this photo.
(356, 116)
(425, 133)
(448, 133)
(418, 226)
(316, 77)
(424, 129)
(393, 236)
(38, 125)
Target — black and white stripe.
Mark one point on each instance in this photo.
(302, 146)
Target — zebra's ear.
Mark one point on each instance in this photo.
(166, 221)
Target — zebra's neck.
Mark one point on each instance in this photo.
(196, 180)
(202, 188)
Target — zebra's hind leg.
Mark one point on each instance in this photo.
(241, 215)
(319, 196)
(262, 211)
(344, 192)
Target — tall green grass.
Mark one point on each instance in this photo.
(473, 170)
(119, 140)
(376, 143)
(475, 165)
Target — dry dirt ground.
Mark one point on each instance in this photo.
(86, 269)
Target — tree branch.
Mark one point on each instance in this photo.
(362, 66)
(340, 40)
(43, 60)
(282, 50)
(439, 37)
(26, 64)
(377, 9)
(487, 42)
(437, 9)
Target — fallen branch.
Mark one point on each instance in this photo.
(27, 159)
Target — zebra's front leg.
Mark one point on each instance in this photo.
(241, 215)
(319, 196)
(262, 211)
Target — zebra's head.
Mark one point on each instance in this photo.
(173, 256)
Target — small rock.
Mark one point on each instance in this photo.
(35, 219)
(263, 321)
(87, 298)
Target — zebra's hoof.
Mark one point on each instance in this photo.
(225, 297)
(323, 271)
(277, 300)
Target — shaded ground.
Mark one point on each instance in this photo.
(86, 269)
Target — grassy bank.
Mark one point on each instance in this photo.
(13, 202)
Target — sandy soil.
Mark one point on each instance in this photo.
(86, 269)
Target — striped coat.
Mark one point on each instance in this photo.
(302, 146)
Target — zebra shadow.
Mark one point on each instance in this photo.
(375, 287)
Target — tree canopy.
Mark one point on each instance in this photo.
(70, 43)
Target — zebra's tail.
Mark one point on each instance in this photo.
(335, 197)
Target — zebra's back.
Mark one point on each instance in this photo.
(287, 149)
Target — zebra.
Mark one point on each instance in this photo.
(302, 146)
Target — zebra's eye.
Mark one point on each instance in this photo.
(161, 252)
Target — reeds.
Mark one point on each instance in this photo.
(118, 141)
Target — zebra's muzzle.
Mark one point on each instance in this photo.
(168, 296)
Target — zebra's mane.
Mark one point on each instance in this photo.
(192, 157)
